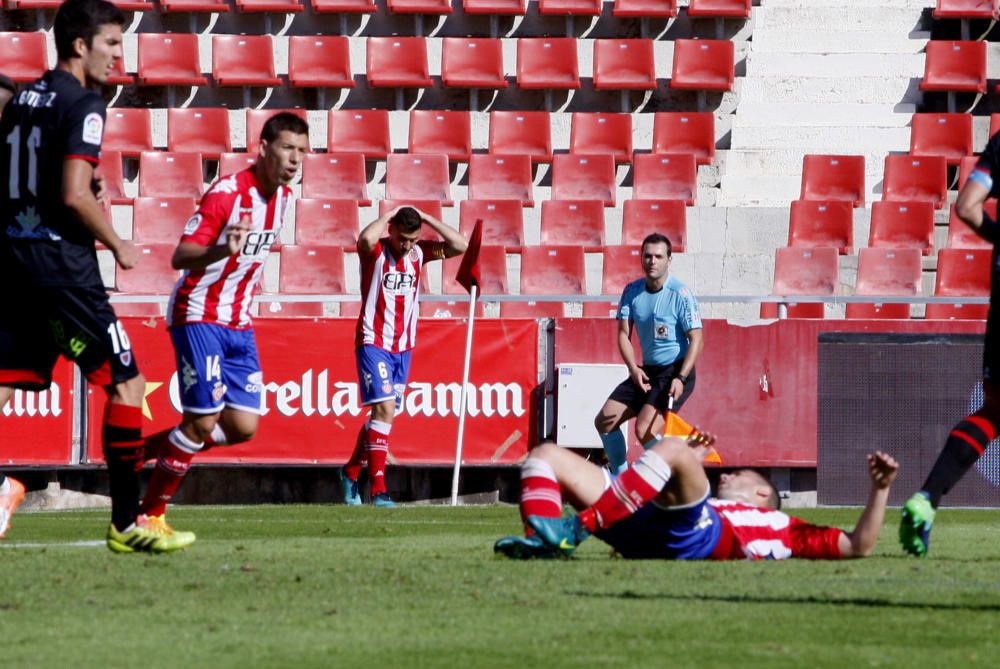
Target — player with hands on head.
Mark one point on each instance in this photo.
(661, 508)
(222, 253)
(392, 257)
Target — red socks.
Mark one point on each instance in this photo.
(377, 438)
(353, 467)
(541, 494)
(172, 464)
(633, 488)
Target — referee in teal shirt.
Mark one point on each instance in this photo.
(664, 313)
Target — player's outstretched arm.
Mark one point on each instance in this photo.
(882, 469)
(454, 242)
(373, 231)
(79, 198)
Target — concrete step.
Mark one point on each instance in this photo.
(915, 5)
(819, 139)
(873, 18)
(835, 65)
(804, 114)
(824, 90)
(825, 41)
(786, 162)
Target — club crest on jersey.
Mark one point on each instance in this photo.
(93, 129)
(399, 283)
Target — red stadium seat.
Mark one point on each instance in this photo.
(916, 179)
(600, 309)
(110, 168)
(597, 133)
(169, 59)
(335, 176)
(967, 9)
(544, 62)
(569, 223)
(398, 62)
(948, 135)
(642, 217)
(500, 178)
(584, 178)
(503, 222)
(645, 8)
(256, 118)
(447, 132)
(685, 132)
(128, 131)
(167, 174)
(886, 272)
(521, 133)
(955, 66)
(420, 6)
(703, 65)
(153, 275)
(214, 6)
(203, 130)
(326, 222)
(472, 63)
(243, 60)
(312, 270)
(552, 270)
(498, 7)
(624, 64)
(492, 271)
(118, 76)
(429, 207)
(161, 220)
(622, 265)
(23, 55)
(230, 163)
(727, 9)
(344, 6)
(316, 61)
(897, 225)
(961, 273)
(531, 309)
(364, 131)
(828, 178)
(961, 236)
(665, 176)
(804, 271)
(286, 6)
(418, 176)
(813, 223)
(570, 7)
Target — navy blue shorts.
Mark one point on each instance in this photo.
(217, 367)
(655, 533)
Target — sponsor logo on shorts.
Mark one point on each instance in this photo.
(255, 383)
(93, 129)
(189, 375)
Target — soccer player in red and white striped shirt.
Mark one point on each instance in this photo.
(222, 253)
(391, 265)
(660, 508)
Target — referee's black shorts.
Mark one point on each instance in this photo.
(658, 395)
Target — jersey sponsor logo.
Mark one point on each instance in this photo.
(257, 246)
(93, 129)
(399, 283)
(192, 225)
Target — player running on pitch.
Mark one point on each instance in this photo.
(387, 328)
(222, 253)
(969, 438)
(660, 508)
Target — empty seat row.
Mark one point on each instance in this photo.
(366, 131)
(416, 176)
(907, 178)
(398, 62)
(894, 224)
(882, 272)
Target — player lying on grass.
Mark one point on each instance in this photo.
(661, 508)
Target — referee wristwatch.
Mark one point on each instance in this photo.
(682, 378)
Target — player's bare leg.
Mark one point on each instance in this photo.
(11, 490)
(607, 423)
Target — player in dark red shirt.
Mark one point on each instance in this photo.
(660, 508)
(55, 302)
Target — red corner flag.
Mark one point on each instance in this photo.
(468, 271)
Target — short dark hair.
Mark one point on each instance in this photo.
(773, 500)
(283, 121)
(407, 220)
(657, 238)
(7, 83)
(82, 18)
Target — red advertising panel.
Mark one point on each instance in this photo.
(757, 385)
(38, 427)
(312, 406)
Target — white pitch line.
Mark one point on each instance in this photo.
(54, 544)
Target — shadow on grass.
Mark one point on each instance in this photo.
(871, 602)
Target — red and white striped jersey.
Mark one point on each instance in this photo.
(222, 292)
(390, 288)
(756, 533)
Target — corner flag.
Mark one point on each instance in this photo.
(468, 271)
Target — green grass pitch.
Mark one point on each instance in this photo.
(331, 586)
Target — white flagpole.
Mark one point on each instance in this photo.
(461, 401)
